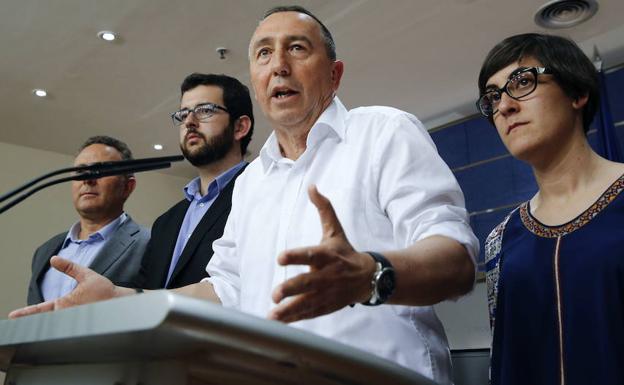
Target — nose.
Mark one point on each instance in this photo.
(190, 121)
(507, 105)
(90, 182)
(279, 63)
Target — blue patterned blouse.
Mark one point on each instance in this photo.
(556, 296)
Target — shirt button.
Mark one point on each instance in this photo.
(201, 205)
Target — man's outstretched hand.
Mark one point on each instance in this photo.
(91, 287)
(339, 275)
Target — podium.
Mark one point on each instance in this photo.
(162, 338)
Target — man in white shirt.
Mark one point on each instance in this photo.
(385, 190)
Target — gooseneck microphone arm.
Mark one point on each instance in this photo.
(92, 171)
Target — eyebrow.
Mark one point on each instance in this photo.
(288, 39)
(516, 72)
(491, 87)
(198, 104)
(513, 73)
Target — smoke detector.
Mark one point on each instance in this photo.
(565, 13)
(222, 51)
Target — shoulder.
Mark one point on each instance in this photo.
(388, 134)
(252, 170)
(376, 111)
(144, 233)
(382, 121)
(381, 114)
(134, 229)
(494, 240)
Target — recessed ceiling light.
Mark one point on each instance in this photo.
(158, 147)
(40, 92)
(107, 35)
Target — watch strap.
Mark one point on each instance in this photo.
(383, 266)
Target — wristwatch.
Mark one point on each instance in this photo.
(383, 282)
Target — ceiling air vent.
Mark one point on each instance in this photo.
(565, 13)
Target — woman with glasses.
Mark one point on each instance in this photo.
(555, 265)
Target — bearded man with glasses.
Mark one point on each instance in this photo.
(215, 123)
(554, 265)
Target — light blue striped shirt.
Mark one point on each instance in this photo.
(81, 251)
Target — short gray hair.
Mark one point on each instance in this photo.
(117, 144)
(330, 45)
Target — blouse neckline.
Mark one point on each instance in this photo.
(538, 228)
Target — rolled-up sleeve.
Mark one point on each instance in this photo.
(417, 190)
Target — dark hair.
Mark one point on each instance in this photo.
(330, 46)
(235, 97)
(117, 144)
(572, 70)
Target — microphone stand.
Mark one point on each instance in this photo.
(92, 171)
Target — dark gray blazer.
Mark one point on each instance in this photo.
(119, 259)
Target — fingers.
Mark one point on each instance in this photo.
(315, 256)
(304, 306)
(33, 309)
(302, 283)
(329, 220)
(71, 269)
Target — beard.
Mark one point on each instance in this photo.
(211, 150)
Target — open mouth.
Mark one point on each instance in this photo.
(192, 137)
(283, 93)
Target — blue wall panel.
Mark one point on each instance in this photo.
(483, 140)
(452, 146)
(488, 185)
(615, 90)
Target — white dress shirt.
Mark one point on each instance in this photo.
(389, 188)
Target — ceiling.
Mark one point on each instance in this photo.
(421, 56)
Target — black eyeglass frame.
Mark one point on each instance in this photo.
(536, 71)
(213, 106)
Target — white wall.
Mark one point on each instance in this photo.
(26, 226)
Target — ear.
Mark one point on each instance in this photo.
(241, 127)
(336, 73)
(580, 102)
(130, 185)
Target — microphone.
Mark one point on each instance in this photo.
(91, 171)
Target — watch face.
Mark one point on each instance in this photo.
(385, 284)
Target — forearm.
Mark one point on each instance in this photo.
(202, 290)
(432, 270)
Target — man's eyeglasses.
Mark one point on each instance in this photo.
(520, 84)
(203, 112)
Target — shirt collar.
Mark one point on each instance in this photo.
(102, 234)
(332, 120)
(192, 189)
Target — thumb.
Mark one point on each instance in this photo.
(69, 268)
(329, 221)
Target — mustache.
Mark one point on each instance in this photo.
(193, 132)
